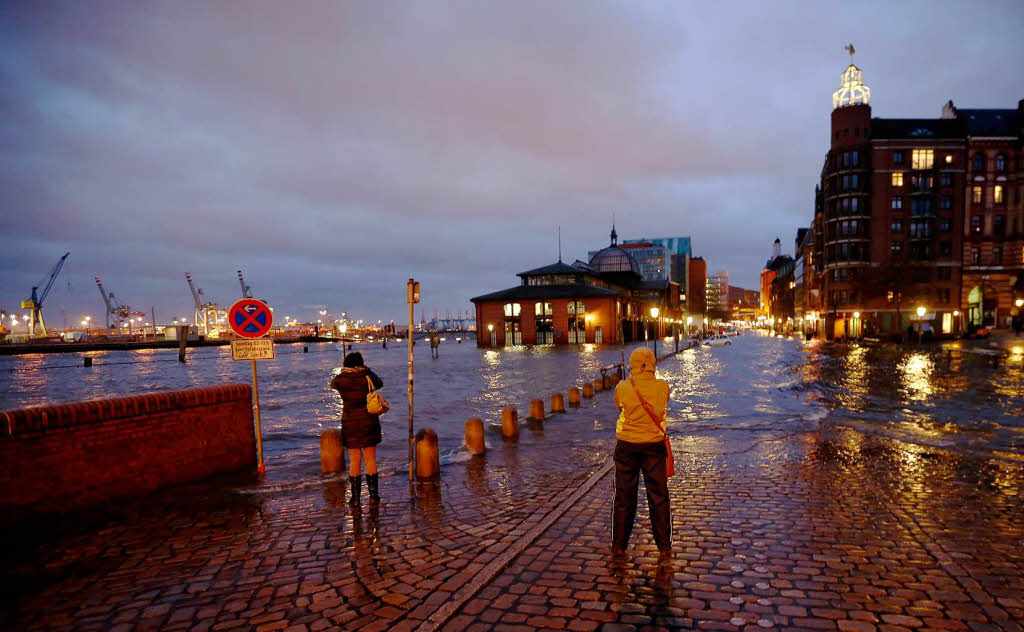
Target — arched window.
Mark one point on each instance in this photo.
(1000, 163)
(979, 162)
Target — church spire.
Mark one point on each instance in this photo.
(614, 235)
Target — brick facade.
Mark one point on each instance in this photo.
(68, 456)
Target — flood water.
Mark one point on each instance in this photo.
(721, 396)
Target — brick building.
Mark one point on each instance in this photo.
(605, 300)
(917, 213)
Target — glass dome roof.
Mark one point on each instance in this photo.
(614, 259)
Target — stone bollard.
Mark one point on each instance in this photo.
(475, 435)
(428, 460)
(537, 409)
(510, 424)
(332, 455)
(588, 390)
(599, 385)
(574, 397)
(557, 403)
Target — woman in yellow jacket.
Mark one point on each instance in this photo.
(641, 448)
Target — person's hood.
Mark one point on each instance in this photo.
(642, 361)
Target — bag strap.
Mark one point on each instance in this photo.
(647, 407)
(369, 382)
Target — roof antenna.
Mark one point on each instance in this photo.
(559, 243)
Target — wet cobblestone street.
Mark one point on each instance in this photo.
(829, 530)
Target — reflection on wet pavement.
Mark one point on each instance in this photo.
(797, 506)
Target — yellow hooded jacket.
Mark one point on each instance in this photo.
(634, 424)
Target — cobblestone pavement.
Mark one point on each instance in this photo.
(830, 530)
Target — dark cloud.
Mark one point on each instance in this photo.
(336, 149)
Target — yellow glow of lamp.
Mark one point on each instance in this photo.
(689, 320)
(956, 312)
(490, 327)
(856, 314)
(654, 312)
(920, 312)
(1019, 302)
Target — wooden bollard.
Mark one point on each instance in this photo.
(537, 409)
(557, 403)
(510, 424)
(332, 455)
(599, 385)
(588, 390)
(428, 460)
(475, 435)
(574, 396)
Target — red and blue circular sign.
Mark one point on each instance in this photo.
(250, 318)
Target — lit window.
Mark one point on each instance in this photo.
(997, 194)
(512, 309)
(922, 158)
(897, 179)
(976, 194)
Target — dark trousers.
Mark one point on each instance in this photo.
(630, 460)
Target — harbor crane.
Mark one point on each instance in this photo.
(35, 303)
(246, 290)
(120, 312)
(206, 313)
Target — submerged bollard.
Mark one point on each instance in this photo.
(475, 435)
(574, 396)
(305, 349)
(332, 456)
(428, 461)
(599, 385)
(537, 409)
(87, 361)
(510, 424)
(588, 390)
(557, 403)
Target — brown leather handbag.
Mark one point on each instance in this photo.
(670, 461)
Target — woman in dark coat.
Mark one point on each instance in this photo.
(360, 431)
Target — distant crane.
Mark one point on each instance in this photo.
(35, 303)
(206, 313)
(120, 312)
(246, 290)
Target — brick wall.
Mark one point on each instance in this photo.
(62, 457)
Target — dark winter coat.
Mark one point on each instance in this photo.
(359, 429)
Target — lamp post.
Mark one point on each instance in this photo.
(956, 315)
(689, 321)
(856, 317)
(654, 314)
(490, 335)
(920, 325)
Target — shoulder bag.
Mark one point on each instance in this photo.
(670, 462)
(375, 402)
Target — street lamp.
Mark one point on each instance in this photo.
(654, 314)
(689, 321)
(920, 324)
(1019, 302)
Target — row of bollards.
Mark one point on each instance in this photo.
(428, 465)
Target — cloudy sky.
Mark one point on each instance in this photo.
(331, 150)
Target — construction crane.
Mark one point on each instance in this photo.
(206, 313)
(246, 290)
(120, 312)
(35, 303)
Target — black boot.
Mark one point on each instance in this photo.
(371, 488)
(356, 483)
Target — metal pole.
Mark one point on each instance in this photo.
(256, 411)
(411, 440)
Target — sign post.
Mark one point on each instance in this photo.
(412, 296)
(251, 319)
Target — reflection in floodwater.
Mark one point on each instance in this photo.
(953, 396)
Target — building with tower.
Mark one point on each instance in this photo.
(916, 216)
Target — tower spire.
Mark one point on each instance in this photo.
(614, 235)
(559, 244)
(852, 90)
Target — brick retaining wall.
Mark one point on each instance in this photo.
(61, 457)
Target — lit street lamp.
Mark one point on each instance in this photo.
(657, 331)
(920, 323)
